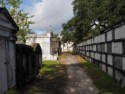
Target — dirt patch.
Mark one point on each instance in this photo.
(78, 82)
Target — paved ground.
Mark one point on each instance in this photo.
(74, 81)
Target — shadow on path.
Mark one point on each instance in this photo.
(72, 79)
(47, 86)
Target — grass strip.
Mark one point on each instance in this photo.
(105, 83)
(50, 69)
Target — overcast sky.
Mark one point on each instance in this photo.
(48, 12)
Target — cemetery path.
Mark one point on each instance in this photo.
(74, 80)
(78, 82)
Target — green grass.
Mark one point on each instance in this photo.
(101, 80)
(49, 74)
(49, 69)
(12, 92)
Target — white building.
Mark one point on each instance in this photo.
(67, 47)
(46, 43)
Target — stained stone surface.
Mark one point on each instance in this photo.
(117, 47)
(110, 71)
(104, 67)
(109, 36)
(120, 32)
(110, 60)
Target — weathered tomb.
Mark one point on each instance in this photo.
(8, 29)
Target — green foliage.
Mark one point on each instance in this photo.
(12, 92)
(68, 31)
(1, 3)
(22, 19)
(105, 83)
(67, 36)
(91, 16)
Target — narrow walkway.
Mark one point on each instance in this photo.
(74, 80)
(78, 81)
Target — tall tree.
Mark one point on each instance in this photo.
(68, 31)
(91, 16)
(1, 3)
(21, 18)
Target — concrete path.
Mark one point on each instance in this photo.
(78, 82)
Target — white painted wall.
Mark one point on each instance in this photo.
(45, 43)
(117, 47)
(120, 32)
(67, 47)
(109, 36)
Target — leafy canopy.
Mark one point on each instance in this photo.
(22, 19)
(91, 16)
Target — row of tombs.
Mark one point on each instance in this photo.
(107, 50)
(18, 62)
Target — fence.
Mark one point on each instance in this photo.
(107, 50)
(28, 61)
